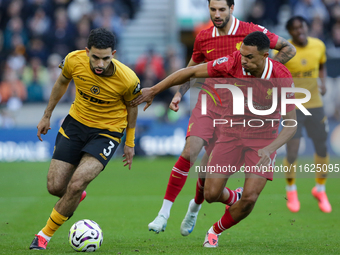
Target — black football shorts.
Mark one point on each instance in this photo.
(74, 139)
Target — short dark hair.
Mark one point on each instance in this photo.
(229, 2)
(101, 38)
(258, 39)
(290, 22)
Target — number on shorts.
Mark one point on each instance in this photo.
(109, 149)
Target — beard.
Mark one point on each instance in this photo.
(224, 23)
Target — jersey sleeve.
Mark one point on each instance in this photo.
(272, 37)
(66, 67)
(323, 54)
(133, 91)
(221, 67)
(197, 55)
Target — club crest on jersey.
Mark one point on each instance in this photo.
(220, 61)
(61, 65)
(95, 90)
(137, 89)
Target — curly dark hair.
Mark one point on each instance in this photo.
(229, 2)
(290, 22)
(101, 38)
(258, 39)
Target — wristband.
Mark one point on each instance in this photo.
(130, 137)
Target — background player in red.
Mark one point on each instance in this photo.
(222, 39)
(235, 147)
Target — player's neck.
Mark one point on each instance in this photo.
(300, 44)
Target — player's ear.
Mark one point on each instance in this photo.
(87, 51)
(113, 53)
(231, 9)
(266, 54)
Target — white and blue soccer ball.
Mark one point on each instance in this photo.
(85, 235)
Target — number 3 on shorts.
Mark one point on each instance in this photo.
(109, 149)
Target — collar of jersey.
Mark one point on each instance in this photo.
(233, 28)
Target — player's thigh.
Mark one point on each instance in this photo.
(88, 169)
(253, 186)
(317, 124)
(214, 185)
(59, 175)
(251, 158)
(102, 145)
(70, 141)
(201, 125)
(226, 157)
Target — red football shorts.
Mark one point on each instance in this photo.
(202, 126)
(233, 154)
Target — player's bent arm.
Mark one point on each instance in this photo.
(129, 150)
(286, 50)
(286, 133)
(58, 90)
(186, 86)
(181, 76)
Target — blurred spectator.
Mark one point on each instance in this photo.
(12, 90)
(310, 9)
(256, 14)
(15, 34)
(79, 9)
(16, 60)
(317, 29)
(37, 48)
(35, 77)
(39, 24)
(61, 36)
(333, 45)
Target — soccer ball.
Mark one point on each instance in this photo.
(85, 235)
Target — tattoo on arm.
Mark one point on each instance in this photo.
(184, 88)
(286, 50)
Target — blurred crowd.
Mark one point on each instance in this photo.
(36, 34)
(323, 17)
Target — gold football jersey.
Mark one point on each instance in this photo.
(99, 101)
(304, 67)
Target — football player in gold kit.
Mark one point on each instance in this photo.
(92, 131)
(308, 65)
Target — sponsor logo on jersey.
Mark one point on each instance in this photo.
(95, 90)
(92, 99)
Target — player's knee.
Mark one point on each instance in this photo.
(247, 202)
(211, 195)
(55, 190)
(76, 187)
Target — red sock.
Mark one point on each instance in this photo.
(224, 223)
(177, 178)
(232, 197)
(199, 197)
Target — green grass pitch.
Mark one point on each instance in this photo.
(123, 202)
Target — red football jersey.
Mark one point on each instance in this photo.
(209, 45)
(275, 75)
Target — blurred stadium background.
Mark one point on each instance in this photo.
(155, 38)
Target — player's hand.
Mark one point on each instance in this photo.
(322, 90)
(129, 152)
(265, 157)
(175, 101)
(146, 96)
(43, 127)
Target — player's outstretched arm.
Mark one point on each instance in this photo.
(285, 135)
(323, 76)
(58, 91)
(181, 91)
(286, 50)
(129, 148)
(179, 77)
